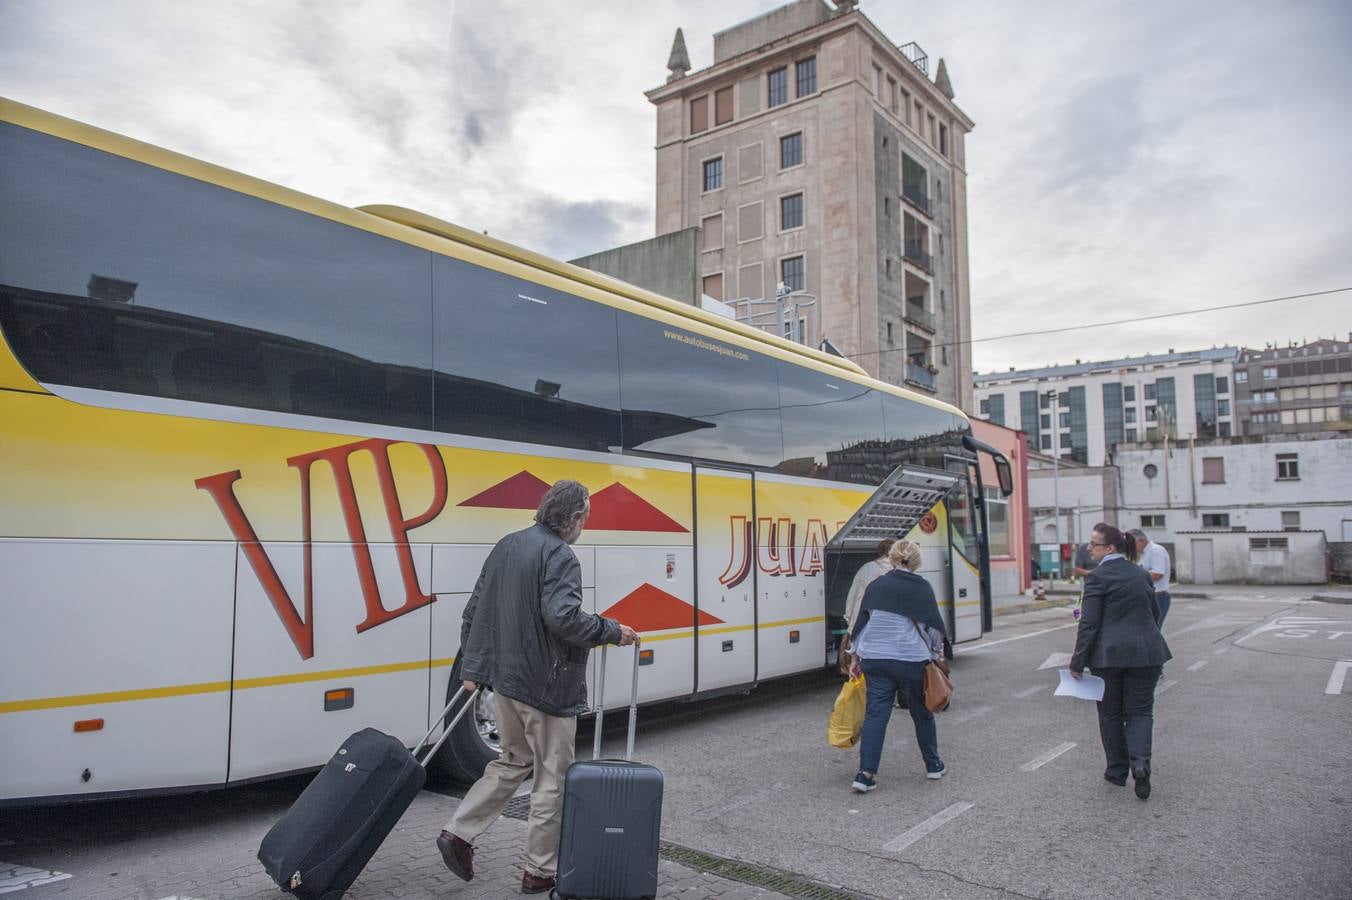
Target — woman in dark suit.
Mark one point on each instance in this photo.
(1119, 640)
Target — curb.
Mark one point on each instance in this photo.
(1034, 605)
(1345, 599)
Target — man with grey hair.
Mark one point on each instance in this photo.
(524, 632)
(1155, 560)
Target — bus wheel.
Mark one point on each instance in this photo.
(474, 743)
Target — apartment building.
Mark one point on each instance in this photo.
(824, 164)
(1082, 411)
(1295, 389)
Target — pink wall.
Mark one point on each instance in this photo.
(1014, 445)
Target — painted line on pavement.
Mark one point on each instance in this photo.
(1221, 650)
(1031, 691)
(1335, 685)
(17, 878)
(1197, 665)
(1039, 762)
(1018, 637)
(1055, 661)
(907, 838)
(1164, 687)
(967, 715)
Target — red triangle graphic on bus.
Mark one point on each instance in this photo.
(617, 508)
(522, 491)
(649, 608)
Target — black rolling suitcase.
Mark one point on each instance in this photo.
(612, 816)
(333, 829)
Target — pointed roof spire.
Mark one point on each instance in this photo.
(941, 80)
(679, 61)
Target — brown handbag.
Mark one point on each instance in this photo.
(938, 686)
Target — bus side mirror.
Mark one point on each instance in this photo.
(1005, 475)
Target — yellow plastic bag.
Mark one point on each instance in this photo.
(847, 718)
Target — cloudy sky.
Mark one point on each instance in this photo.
(1130, 158)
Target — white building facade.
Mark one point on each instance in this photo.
(1080, 412)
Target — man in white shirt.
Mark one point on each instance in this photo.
(1155, 560)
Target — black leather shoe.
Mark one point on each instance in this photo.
(1142, 784)
(1119, 781)
(457, 854)
(536, 884)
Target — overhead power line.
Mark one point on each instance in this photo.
(1149, 318)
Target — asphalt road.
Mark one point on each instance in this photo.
(1252, 785)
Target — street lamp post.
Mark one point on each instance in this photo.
(1056, 471)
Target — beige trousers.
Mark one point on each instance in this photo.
(531, 740)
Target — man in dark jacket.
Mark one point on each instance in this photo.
(525, 633)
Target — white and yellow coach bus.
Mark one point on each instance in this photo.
(254, 448)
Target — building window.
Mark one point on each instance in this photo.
(791, 273)
(1222, 384)
(1269, 373)
(1044, 401)
(713, 285)
(1150, 391)
(790, 212)
(1222, 429)
(791, 150)
(1222, 407)
(1290, 520)
(699, 114)
(1131, 435)
(1215, 520)
(1213, 470)
(1129, 415)
(1065, 419)
(805, 72)
(887, 266)
(887, 207)
(1046, 422)
(723, 106)
(1129, 393)
(1046, 442)
(997, 521)
(892, 94)
(713, 174)
(1152, 521)
(943, 139)
(1288, 467)
(1242, 376)
(985, 404)
(713, 232)
(778, 81)
(1150, 414)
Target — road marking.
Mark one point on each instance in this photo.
(1164, 687)
(1018, 637)
(1055, 661)
(17, 878)
(1220, 651)
(1197, 665)
(967, 715)
(906, 839)
(1047, 757)
(1335, 685)
(1031, 691)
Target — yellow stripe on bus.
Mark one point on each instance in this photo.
(212, 687)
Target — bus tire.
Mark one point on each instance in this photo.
(470, 747)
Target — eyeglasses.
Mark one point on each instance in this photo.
(1098, 544)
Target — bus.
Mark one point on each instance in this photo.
(255, 447)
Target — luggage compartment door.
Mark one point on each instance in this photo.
(725, 595)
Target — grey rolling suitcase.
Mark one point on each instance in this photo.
(319, 847)
(612, 816)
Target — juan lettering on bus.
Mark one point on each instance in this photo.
(776, 548)
(300, 626)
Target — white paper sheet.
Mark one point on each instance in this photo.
(1086, 687)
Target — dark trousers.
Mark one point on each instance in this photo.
(1127, 717)
(1162, 600)
(886, 678)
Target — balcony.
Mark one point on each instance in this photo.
(918, 316)
(920, 376)
(915, 56)
(915, 195)
(914, 252)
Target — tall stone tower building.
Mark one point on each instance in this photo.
(820, 158)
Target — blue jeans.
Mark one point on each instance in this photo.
(885, 678)
(1162, 598)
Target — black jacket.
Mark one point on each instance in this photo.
(524, 630)
(1117, 621)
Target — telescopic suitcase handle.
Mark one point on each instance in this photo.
(469, 704)
(601, 706)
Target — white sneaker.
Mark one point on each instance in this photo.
(935, 776)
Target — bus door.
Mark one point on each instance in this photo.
(725, 578)
(964, 556)
(904, 505)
